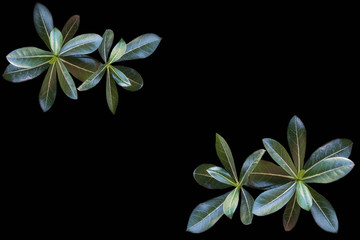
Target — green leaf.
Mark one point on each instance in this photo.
(66, 82)
(274, 199)
(15, 74)
(291, 214)
(246, 207)
(81, 66)
(43, 22)
(94, 79)
(231, 202)
(224, 153)
(323, 213)
(29, 57)
(249, 165)
(335, 148)
(296, 135)
(118, 51)
(268, 175)
(104, 49)
(303, 196)
(70, 28)
(206, 214)
(141, 47)
(82, 44)
(203, 178)
(112, 96)
(221, 175)
(135, 79)
(328, 170)
(47, 93)
(280, 155)
(119, 77)
(56, 40)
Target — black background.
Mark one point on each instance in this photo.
(239, 70)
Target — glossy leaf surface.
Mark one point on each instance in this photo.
(66, 82)
(119, 77)
(81, 66)
(112, 96)
(296, 135)
(43, 22)
(135, 79)
(323, 213)
(105, 46)
(82, 44)
(272, 200)
(221, 175)
(291, 214)
(280, 155)
(303, 196)
(141, 47)
(94, 79)
(118, 51)
(249, 165)
(17, 74)
(70, 28)
(48, 89)
(246, 207)
(328, 170)
(204, 179)
(224, 153)
(231, 202)
(29, 57)
(206, 214)
(56, 40)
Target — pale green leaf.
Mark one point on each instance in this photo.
(66, 82)
(246, 207)
(56, 40)
(82, 44)
(224, 153)
(249, 165)
(296, 135)
(29, 57)
(94, 79)
(48, 89)
(203, 178)
(231, 202)
(221, 175)
(303, 196)
(105, 46)
(118, 51)
(16, 74)
(43, 22)
(119, 77)
(135, 79)
(112, 96)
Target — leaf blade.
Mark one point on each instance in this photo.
(291, 214)
(66, 82)
(82, 44)
(221, 175)
(70, 28)
(135, 79)
(56, 40)
(112, 96)
(203, 178)
(94, 79)
(224, 153)
(118, 51)
(28, 57)
(81, 66)
(48, 89)
(16, 74)
(43, 22)
(303, 196)
(104, 48)
(119, 77)
(231, 202)
(296, 135)
(246, 207)
(249, 165)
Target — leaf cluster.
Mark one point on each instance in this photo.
(67, 57)
(285, 184)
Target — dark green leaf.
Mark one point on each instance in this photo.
(70, 28)
(224, 153)
(16, 74)
(303, 196)
(221, 175)
(47, 93)
(104, 49)
(291, 214)
(296, 135)
(56, 40)
(274, 199)
(94, 79)
(81, 66)
(112, 96)
(328, 170)
(118, 51)
(206, 214)
(246, 207)
(134, 78)
(119, 77)
(323, 213)
(280, 155)
(231, 202)
(141, 47)
(249, 165)
(82, 44)
(43, 22)
(29, 57)
(66, 82)
(335, 148)
(204, 179)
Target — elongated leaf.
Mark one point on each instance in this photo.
(272, 200)
(221, 175)
(94, 79)
(291, 214)
(335, 148)
(141, 47)
(224, 153)
(206, 214)
(70, 28)
(28, 57)
(203, 178)
(47, 93)
(134, 78)
(280, 155)
(328, 170)
(249, 165)
(231, 202)
(66, 82)
(246, 207)
(112, 96)
(56, 40)
(119, 77)
(268, 175)
(82, 44)
(104, 49)
(15, 74)
(118, 51)
(323, 213)
(303, 196)
(81, 66)
(296, 135)
(43, 22)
